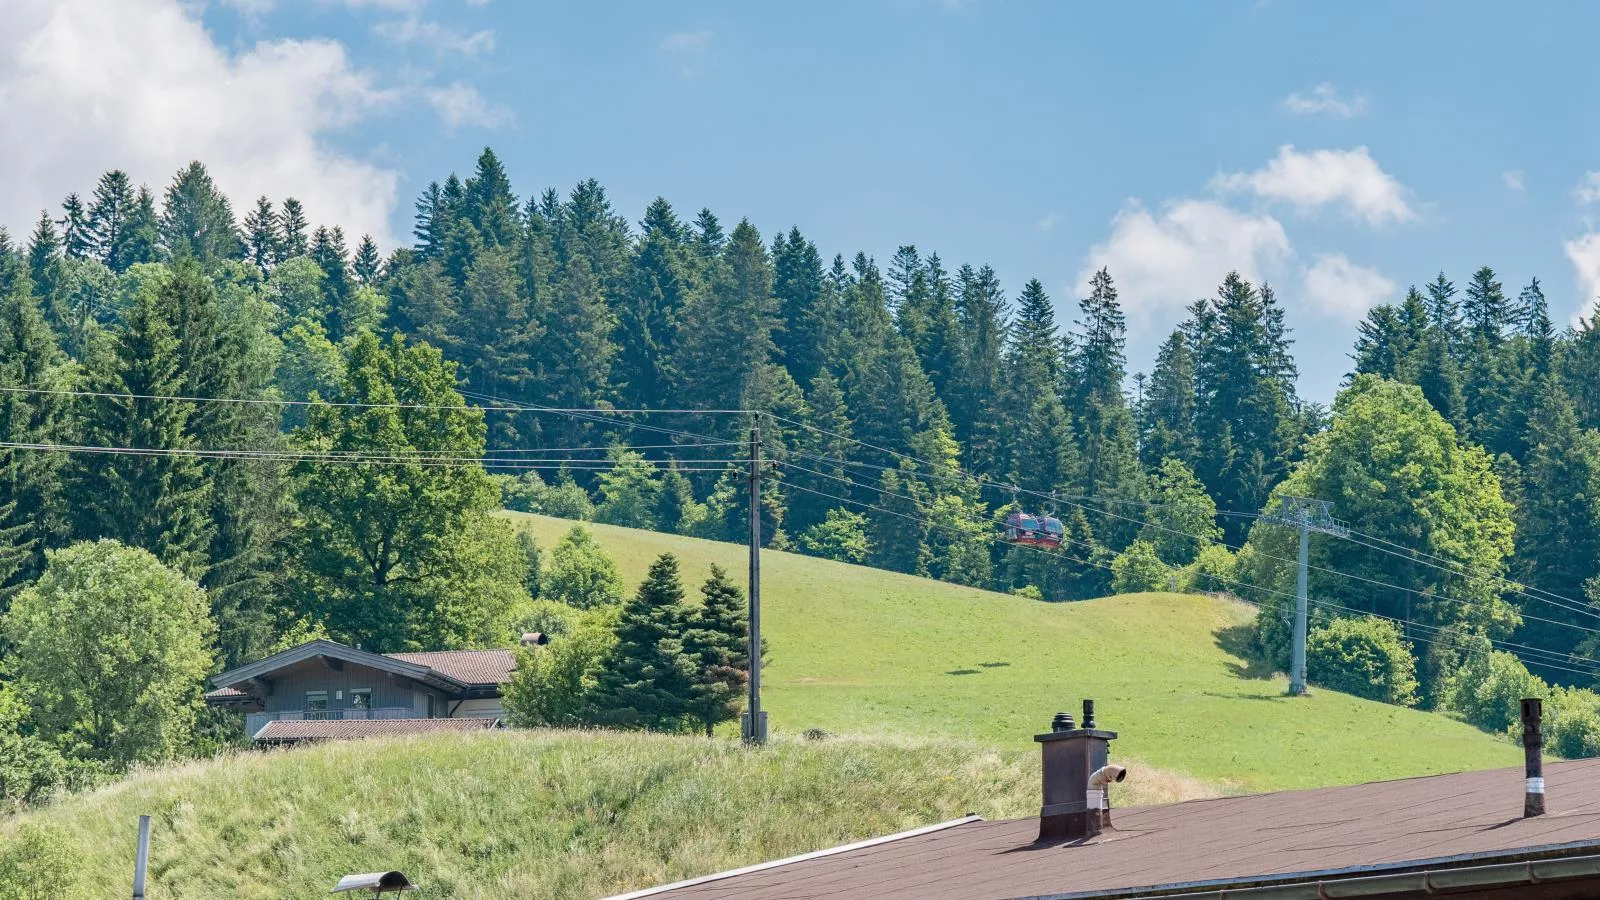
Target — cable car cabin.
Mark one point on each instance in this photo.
(1033, 531)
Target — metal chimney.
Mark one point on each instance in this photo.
(1070, 756)
(1533, 758)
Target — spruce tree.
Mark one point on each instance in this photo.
(1107, 435)
(489, 205)
(112, 211)
(328, 251)
(261, 235)
(717, 645)
(976, 393)
(661, 281)
(141, 241)
(648, 678)
(367, 262)
(1040, 444)
(805, 305)
(160, 502)
(727, 330)
(76, 239)
(292, 227)
(32, 511)
(1166, 416)
(197, 220)
(44, 255)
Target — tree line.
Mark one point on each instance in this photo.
(907, 407)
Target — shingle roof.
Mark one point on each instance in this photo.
(475, 667)
(1381, 826)
(343, 729)
(226, 693)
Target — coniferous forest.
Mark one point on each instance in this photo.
(316, 432)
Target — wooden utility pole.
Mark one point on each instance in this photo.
(754, 724)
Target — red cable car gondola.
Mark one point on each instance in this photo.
(1033, 531)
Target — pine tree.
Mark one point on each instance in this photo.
(716, 644)
(76, 239)
(648, 679)
(367, 262)
(261, 240)
(197, 220)
(292, 227)
(111, 214)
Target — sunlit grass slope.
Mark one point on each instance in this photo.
(862, 651)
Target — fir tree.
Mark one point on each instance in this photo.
(1107, 438)
(727, 331)
(661, 281)
(31, 514)
(44, 254)
(805, 305)
(141, 241)
(717, 646)
(648, 680)
(976, 392)
(489, 205)
(1166, 416)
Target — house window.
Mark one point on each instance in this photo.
(361, 698)
(316, 704)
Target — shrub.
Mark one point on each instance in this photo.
(1365, 656)
(1573, 723)
(524, 493)
(550, 617)
(1489, 688)
(37, 863)
(841, 536)
(566, 500)
(580, 573)
(1139, 569)
(1214, 570)
(555, 684)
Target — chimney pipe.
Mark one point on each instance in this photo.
(1071, 757)
(1533, 759)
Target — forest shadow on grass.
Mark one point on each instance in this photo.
(1236, 641)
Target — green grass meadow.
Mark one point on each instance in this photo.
(861, 651)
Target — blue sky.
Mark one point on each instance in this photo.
(1341, 156)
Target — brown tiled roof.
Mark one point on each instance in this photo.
(1385, 826)
(466, 666)
(226, 693)
(343, 729)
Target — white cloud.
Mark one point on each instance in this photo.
(1324, 99)
(1587, 192)
(80, 93)
(1048, 221)
(1584, 253)
(1309, 181)
(413, 29)
(1163, 262)
(1340, 289)
(460, 104)
(688, 49)
(1514, 180)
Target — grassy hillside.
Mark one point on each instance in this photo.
(522, 813)
(862, 651)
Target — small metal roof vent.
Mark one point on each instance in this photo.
(376, 882)
(534, 638)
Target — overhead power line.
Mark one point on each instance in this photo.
(441, 407)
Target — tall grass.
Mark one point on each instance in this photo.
(531, 813)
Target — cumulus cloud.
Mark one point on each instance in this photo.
(81, 92)
(1514, 180)
(460, 104)
(688, 49)
(1324, 100)
(1165, 260)
(412, 29)
(1340, 289)
(1587, 192)
(1350, 179)
(1584, 254)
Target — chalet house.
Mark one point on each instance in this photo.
(1490, 835)
(323, 690)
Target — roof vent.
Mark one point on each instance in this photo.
(534, 638)
(1073, 806)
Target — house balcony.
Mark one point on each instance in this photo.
(254, 722)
